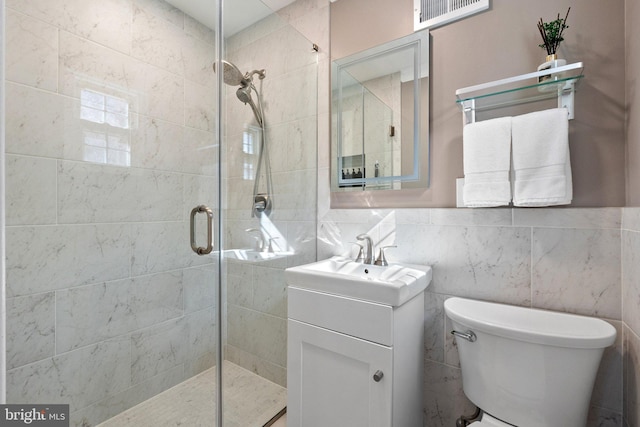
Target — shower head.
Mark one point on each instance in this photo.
(231, 74)
(233, 77)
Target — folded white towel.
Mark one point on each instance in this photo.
(541, 162)
(487, 160)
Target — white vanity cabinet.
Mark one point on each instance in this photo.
(353, 363)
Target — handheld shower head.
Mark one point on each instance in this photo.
(244, 94)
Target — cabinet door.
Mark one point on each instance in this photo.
(331, 379)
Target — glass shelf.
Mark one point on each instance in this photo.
(560, 83)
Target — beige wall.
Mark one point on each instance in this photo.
(632, 16)
(360, 24)
(500, 43)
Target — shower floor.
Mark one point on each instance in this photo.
(249, 401)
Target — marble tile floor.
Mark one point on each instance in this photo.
(250, 401)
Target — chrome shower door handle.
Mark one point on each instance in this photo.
(199, 249)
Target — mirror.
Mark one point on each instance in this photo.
(379, 102)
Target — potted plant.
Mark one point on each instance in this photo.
(551, 33)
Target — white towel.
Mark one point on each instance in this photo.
(487, 160)
(541, 162)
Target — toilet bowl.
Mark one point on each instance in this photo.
(525, 367)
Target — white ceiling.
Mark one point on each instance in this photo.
(237, 14)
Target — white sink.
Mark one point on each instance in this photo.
(393, 285)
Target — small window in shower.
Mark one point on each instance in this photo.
(250, 140)
(105, 128)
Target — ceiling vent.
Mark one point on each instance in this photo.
(433, 13)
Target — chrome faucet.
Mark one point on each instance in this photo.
(368, 259)
(260, 239)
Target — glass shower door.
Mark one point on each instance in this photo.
(112, 138)
(270, 116)
(117, 127)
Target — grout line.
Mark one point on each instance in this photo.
(531, 270)
(55, 323)
(622, 285)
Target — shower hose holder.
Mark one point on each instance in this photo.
(261, 204)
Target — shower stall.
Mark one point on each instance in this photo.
(134, 292)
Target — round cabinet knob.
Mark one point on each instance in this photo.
(378, 376)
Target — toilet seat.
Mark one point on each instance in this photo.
(489, 421)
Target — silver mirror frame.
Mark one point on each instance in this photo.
(419, 43)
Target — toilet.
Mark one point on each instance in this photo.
(525, 367)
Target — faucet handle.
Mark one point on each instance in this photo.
(271, 239)
(360, 256)
(382, 260)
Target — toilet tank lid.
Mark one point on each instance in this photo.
(531, 325)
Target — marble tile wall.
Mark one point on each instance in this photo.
(257, 317)
(567, 260)
(109, 130)
(630, 313)
(281, 44)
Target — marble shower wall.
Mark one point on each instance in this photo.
(109, 129)
(567, 260)
(282, 45)
(631, 313)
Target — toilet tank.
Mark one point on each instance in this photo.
(528, 367)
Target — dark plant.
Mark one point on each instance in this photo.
(551, 33)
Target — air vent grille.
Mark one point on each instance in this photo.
(433, 13)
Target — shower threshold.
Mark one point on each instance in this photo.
(249, 401)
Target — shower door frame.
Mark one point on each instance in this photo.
(219, 45)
